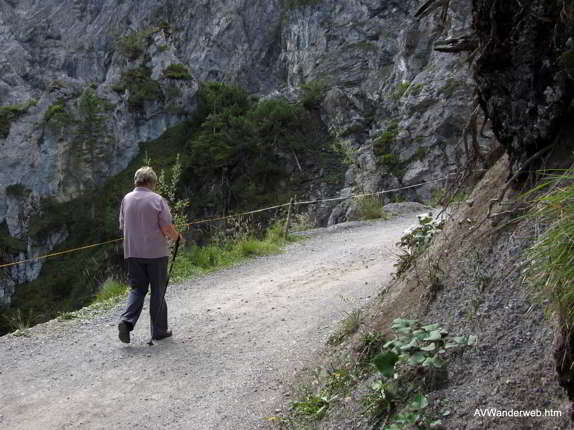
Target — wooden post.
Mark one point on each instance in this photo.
(288, 221)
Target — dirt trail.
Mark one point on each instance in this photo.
(238, 334)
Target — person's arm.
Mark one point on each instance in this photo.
(121, 218)
(165, 222)
(170, 232)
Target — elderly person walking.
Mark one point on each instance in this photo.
(146, 221)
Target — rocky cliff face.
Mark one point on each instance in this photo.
(524, 73)
(83, 82)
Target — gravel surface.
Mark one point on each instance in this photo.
(237, 334)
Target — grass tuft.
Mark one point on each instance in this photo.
(551, 258)
(110, 290)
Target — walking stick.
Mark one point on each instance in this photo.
(172, 260)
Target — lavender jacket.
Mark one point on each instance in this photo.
(142, 213)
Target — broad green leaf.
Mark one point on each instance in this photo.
(459, 339)
(431, 327)
(411, 345)
(416, 359)
(472, 340)
(434, 335)
(435, 424)
(430, 347)
(385, 363)
(389, 344)
(400, 322)
(420, 402)
(437, 362)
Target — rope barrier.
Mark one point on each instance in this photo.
(207, 220)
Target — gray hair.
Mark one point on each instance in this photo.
(145, 176)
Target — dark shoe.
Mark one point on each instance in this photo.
(162, 336)
(124, 332)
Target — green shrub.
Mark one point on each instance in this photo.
(18, 190)
(141, 87)
(58, 115)
(177, 71)
(386, 138)
(10, 113)
(313, 92)
(133, 45)
(10, 244)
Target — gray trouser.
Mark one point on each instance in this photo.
(144, 272)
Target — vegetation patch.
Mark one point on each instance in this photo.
(452, 85)
(140, 86)
(370, 207)
(18, 190)
(406, 87)
(111, 289)
(10, 113)
(295, 4)
(407, 365)
(382, 148)
(133, 45)
(177, 71)
(348, 327)
(415, 241)
(9, 244)
(199, 260)
(551, 258)
(313, 93)
(57, 115)
(567, 61)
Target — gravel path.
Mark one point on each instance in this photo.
(238, 334)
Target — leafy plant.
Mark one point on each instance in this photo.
(417, 345)
(412, 416)
(382, 398)
(416, 240)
